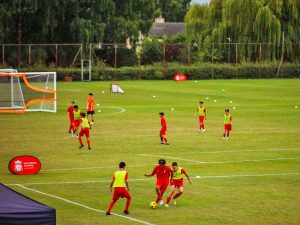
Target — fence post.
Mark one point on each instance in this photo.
(115, 60)
(164, 60)
(236, 60)
(212, 61)
(3, 54)
(29, 54)
(189, 60)
(56, 55)
(260, 60)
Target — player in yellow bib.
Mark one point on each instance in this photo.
(77, 119)
(227, 124)
(85, 130)
(176, 182)
(201, 111)
(119, 181)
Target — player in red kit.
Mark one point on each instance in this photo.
(71, 116)
(163, 174)
(162, 133)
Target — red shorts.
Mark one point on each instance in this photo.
(177, 183)
(71, 119)
(76, 123)
(227, 127)
(162, 132)
(84, 131)
(120, 192)
(162, 186)
(201, 119)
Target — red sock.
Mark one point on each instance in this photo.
(89, 143)
(177, 195)
(127, 204)
(80, 140)
(168, 200)
(111, 205)
(161, 139)
(165, 139)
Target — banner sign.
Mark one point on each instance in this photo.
(179, 77)
(24, 165)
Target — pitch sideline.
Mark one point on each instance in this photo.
(81, 205)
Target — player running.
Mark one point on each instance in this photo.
(119, 180)
(90, 106)
(176, 182)
(85, 130)
(71, 116)
(227, 124)
(163, 174)
(201, 111)
(162, 133)
(77, 119)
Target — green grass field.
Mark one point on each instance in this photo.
(254, 178)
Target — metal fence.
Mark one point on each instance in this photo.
(164, 56)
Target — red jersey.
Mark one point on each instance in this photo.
(90, 104)
(163, 123)
(70, 111)
(162, 174)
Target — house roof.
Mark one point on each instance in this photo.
(168, 28)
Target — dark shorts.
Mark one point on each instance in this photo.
(90, 112)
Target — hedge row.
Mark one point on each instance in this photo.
(197, 71)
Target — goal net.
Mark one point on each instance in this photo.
(20, 92)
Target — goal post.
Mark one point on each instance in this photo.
(86, 70)
(20, 92)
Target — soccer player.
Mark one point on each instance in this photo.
(71, 116)
(76, 119)
(90, 106)
(163, 130)
(227, 124)
(177, 182)
(163, 174)
(119, 180)
(201, 110)
(85, 130)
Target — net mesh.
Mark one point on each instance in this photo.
(30, 92)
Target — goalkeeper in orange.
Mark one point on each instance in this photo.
(85, 130)
(90, 106)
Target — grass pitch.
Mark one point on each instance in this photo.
(254, 178)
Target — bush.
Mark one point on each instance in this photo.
(198, 71)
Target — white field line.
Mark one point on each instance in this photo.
(81, 205)
(121, 109)
(238, 151)
(151, 179)
(154, 133)
(192, 161)
(218, 162)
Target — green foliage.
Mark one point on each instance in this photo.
(247, 21)
(151, 51)
(173, 10)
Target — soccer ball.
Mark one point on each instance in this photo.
(153, 205)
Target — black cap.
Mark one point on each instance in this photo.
(162, 161)
(122, 164)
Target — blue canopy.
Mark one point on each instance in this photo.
(17, 209)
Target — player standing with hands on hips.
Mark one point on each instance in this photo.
(227, 124)
(201, 111)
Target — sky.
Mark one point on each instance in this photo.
(200, 1)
